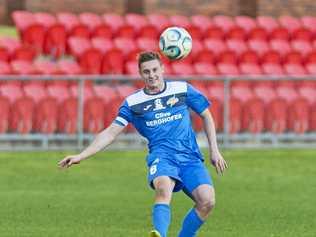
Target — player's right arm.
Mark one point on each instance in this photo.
(101, 141)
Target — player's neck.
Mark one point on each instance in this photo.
(155, 89)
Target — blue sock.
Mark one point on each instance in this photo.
(191, 223)
(161, 218)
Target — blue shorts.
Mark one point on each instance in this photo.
(188, 175)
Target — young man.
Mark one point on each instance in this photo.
(160, 112)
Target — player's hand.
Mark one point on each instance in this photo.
(69, 161)
(218, 162)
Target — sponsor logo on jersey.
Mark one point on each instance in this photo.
(172, 101)
(158, 104)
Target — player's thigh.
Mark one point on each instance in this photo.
(164, 183)
(193, 175)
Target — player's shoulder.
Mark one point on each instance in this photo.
(135, 97)
(176, 87)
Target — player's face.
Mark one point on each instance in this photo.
(152, 73)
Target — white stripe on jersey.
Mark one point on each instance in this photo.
(122, 120)
(174, 87)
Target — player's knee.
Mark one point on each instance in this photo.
(163, 192)
(206, 205)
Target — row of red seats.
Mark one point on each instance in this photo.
(54, 108)
(49, 33)
(69, 67)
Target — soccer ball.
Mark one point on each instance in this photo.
(175, 43)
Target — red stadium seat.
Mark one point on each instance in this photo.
(46, 116)
(126, 31)
(115, 21)
(293, 57)
(227, 56)
(131, 68)
(60, 93)
(45, 19)
(91, 20)
(258, 33)
(88, 92)
(106, 93)
(180, 20)
(68, 115)
(242, 93)
(23, 67)
(12, 92)
(223, 22)
(22, 115)
(237, 33)
(148, 31)
(309, 22)
(94, 111)
(195, 32)
(137, 21)
(125, 90)
(56, 40)
(34, 37)
(289, 94)
(4, 114)
(68, 20)
(294, 69)
(36, 92)
(4, 54)
(311, 68)
(299, 116)
(250, 69)
(103, 31)
(214, 32)
(267, 22)
(265, 93)
(69, 67)
(253, 115)
(160, 21)
(228, 69)
(237, 46)
(128, 47)
(273, 69)
(113, 62)
(10, 44)
(5, 68)
(276, 119)
(290, 23)
(146, 44)
(281, 46)
(182, 69)
(215, 45)
(311, 57)
(205, 69)
(302, 34)
(280, 33)
(249, 56)
(246, 23)
(81, 31)
(206, 56)
(271, 56)
(201, 21)
(302, 46)
(102, 44)
(90, 59)
(308, 93)
(23, 19)
(259, 46)
(46, 67)
(25, 52)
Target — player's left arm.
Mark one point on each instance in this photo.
(215, 156)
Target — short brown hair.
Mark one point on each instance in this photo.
(148, 56)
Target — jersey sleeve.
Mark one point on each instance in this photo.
(124, 115)
(196, 100)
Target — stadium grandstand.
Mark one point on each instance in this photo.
(66, 72)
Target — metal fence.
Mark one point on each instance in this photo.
(57, 141)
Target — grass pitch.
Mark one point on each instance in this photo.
(263, 194)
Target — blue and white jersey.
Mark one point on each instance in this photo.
(164, 118)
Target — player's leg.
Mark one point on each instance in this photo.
(161, 216)
(198, 186)
(163, 177)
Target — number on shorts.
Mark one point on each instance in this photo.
(153, 169)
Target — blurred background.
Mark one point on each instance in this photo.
(66, 66)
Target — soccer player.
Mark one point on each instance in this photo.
(160, 113)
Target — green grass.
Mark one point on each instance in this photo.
(8, 31)
(263, 194)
